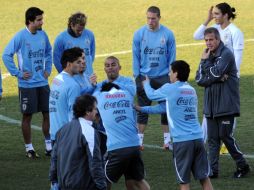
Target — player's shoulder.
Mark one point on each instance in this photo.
(234, 29)
(140, 30)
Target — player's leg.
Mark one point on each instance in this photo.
(115, 166)
(43, 106)
(157, 83)
(206, 184)
(183, 158)
(201, 168)
(142, 118)
(135, 172)
(213, 145)
(226, 135)
(28, 106)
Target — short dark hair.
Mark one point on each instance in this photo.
(226, 9)
(212, 30)
(154, 9)
(83, 104)
(71, 55)
(182, 68)
(77, 18)
(32, 13)
(113, 58)
(107, 86)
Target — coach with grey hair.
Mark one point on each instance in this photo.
(217, 73)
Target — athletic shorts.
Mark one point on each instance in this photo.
(33, 100)
(124, 161)
(143, 100)
(190, 156)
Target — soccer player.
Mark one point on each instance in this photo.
(153, 50)
(112, 68)
(87, 84)
(34, 56)
(230, 34)
(189, 153)
(64, 90)
(76, 159)
(76, 35)
(124, 157)
(217, 73)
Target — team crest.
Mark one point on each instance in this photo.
(87, 41)
(163, 40)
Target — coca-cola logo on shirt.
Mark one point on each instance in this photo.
(118, 104)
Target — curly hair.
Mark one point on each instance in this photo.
(77, 18)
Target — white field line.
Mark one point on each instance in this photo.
(14, 121)
(5, 75)
(161, 148)
(178, 46)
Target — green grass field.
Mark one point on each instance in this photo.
(113, 23)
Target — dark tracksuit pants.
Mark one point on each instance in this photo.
(221, 129)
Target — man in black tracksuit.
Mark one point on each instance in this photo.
(76, 160)
(218, 74)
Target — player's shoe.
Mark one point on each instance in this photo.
(241, 172)
(32, 154)
(48, 152)
(168, 146)
(223, 149)
(141, 147)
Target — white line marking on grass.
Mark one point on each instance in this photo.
(14, 121)
(161, 148)
(5, 75)
(178, 46)
(129, 51)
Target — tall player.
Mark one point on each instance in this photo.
(64, 90)
(76, 35)
(33, 50)
(153, 51)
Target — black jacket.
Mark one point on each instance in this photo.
(72, 165)
(221, 96)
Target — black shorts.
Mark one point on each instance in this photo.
(33, 100)
(124, 161)
(143, 100)
(190, 156)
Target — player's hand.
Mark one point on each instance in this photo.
(146, 80)
(224, 78)
(26, 75)
(137, 107)
(206, 54)
(46, 74)
(209, 16)
(93, 79)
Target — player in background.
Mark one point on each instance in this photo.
(189, 152)
(153, 51)
(64, 90)
(76, 35)
(230, 34)
(33, 50)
